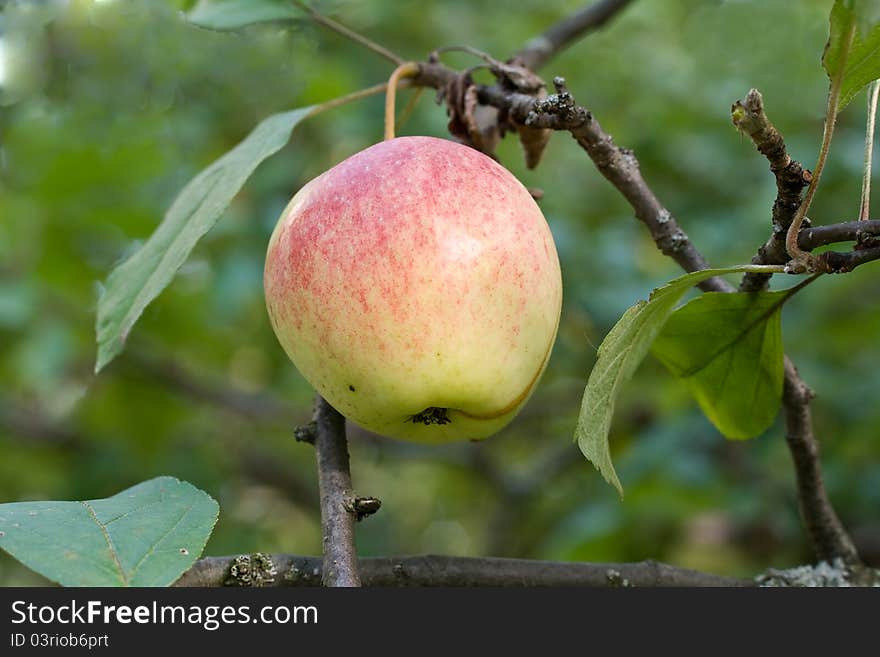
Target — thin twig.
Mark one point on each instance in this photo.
(539, 50)
(337, 497)
(836, 262)
(749, 117)
(349, 33)
(865, 205)
(847, 231)
(433, 570)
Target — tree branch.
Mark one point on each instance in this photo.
(828, 536)
(791, 178)
(836, 262)
(434, 570)
(337, 497)
(539, 50)
(847, 231)
(864, 233)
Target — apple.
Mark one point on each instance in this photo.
(417, 287)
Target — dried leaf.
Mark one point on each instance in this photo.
(533, 140)
(481, 122)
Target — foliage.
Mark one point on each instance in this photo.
(728, 347)
(853, 49)
(138, 281)
(233, 14)
(622, 351)
(147, 535)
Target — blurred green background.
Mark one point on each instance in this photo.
(109, 108)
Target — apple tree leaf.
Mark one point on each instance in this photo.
(619, 355)
(137, 281)
(857, 61)
(233, 14)
(147, 535)
(728, 350)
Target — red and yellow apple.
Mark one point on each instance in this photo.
(416, 286)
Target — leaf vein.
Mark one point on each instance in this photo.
(164, 536)
(113, 553)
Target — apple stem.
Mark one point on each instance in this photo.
(405, 70)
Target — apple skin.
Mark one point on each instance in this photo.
(417, 274)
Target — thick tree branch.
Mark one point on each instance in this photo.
(464, 571)
(791, 178)
(539, 50)
(337, 497)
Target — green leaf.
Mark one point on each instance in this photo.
(867, 14)
(857, 61)
(147, 535)
(140, 279)
(728, 349)
(619, 355)
(233, 14)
